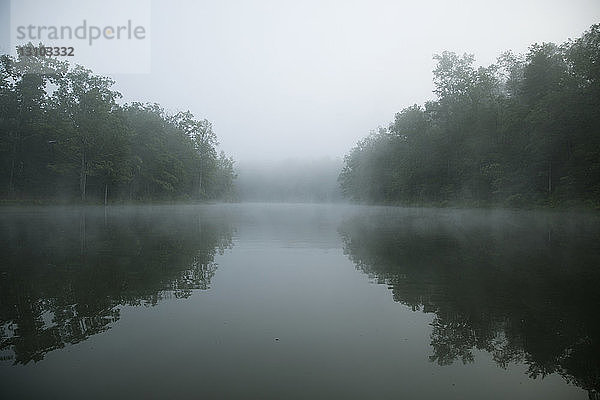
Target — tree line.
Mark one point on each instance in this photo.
(522, 131)
(63, 135)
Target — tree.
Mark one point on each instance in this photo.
(91, 130)
(521, 131)
(204, 141)
(64, 133)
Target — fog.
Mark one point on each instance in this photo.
(300, 199)
(290, 180)
(284, 80)
(307, 79)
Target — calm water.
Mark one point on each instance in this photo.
(298, 301)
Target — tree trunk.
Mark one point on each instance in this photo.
(11, 181)
(200, 178)
(200, 185)
(105, 194)
(82, 176)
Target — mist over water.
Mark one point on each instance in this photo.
(268, 199)
(298, 301)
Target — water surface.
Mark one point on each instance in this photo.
(298, 301)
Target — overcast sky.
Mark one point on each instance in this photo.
(309, 78)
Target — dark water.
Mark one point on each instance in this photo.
(298, 301)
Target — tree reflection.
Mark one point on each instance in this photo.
(520, 286)
(64, 276)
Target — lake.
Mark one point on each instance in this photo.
(298, 301)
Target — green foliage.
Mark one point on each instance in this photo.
(521, 131)
(63, 134)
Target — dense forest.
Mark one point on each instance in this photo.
(64, 136)
(523, 131)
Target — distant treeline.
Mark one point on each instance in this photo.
(523, 131)
(64, 136)
(291, 180)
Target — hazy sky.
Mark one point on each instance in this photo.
(309, 78)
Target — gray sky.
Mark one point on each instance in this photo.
(309, 78)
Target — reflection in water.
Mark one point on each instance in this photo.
(64, 274)
(523, 287)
